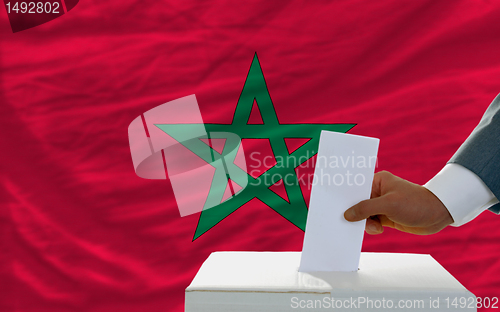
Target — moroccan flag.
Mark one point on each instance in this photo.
(81, 231)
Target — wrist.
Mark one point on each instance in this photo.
(441, 216)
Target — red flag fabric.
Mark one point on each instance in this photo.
(80, 231)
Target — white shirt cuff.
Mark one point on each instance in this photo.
(462, 192)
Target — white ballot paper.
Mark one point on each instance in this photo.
(343, 177)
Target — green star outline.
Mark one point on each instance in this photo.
(255, 89)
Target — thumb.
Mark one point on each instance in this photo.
(366, 209)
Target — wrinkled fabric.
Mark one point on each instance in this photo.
(80, 231)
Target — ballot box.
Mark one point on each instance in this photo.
(271, 282)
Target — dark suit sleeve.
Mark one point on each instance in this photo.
(480, 153)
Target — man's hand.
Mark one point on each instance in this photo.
(402, 205)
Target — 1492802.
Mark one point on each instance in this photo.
(471, 302)
(32, 7)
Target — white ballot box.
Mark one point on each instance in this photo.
(271, 282)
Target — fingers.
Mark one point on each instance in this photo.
(376, 189)
(366, 208)
(373, 226)
(380, 179)
(384, 221)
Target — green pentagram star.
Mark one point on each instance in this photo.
(254, 89)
